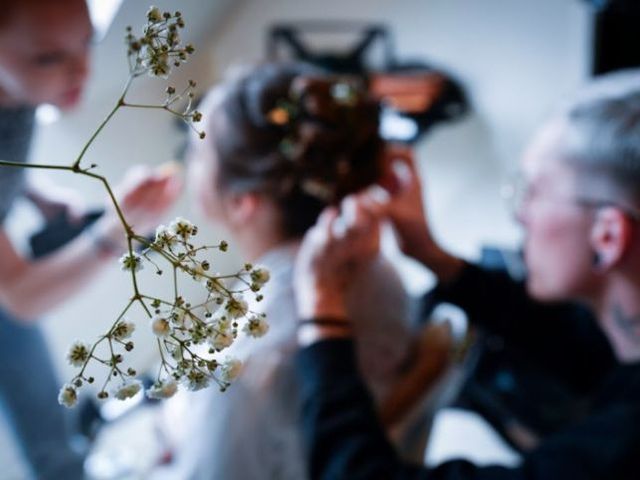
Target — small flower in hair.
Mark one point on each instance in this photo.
(278, 116)
(288, 148)
(318, 190)
(283, 113)
(345, 93)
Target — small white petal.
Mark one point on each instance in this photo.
(127, 390)
(68, 396)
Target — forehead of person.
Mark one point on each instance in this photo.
(43, 51)
(543, 165)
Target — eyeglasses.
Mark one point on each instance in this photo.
(518, 192)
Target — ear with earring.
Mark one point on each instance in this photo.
(596, 261)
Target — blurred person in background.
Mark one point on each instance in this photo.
(580, 208)
(44, 58)
(282, 144)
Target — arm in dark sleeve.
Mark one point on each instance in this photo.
(343, 435)
(491, 299)
(562, 338)
(345, 440)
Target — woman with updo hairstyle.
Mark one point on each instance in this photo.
(301, 141)
(282, 142)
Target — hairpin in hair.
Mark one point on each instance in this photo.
(345, 93)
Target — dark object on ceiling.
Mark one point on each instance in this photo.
(416, 95)
(616, 35)
(616, 38)
(620, 5)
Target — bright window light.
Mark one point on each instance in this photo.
(102, 13)
(47, 114)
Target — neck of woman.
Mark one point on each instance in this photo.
(255, 241)
(619, 315)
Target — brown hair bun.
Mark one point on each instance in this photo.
(305, 138)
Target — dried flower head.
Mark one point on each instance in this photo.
(78, 354)
(190, 332)
(237, 307)
(159, 48)
(183, 228)
(165, 237)
(131, 262)
(163, 389)
(230, 370)
(195, 380)
(160, 326)
(256, 326)
(123, 330)
(127, 389)
(68, 396)
(260, 276)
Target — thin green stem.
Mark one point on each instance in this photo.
(112, 197)
(76, 164)
(120, 103)
(175, 282)
(139, 105)
(5, 163)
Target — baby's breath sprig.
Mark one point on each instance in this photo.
(189, 335)
(155, 53)
(159, 48)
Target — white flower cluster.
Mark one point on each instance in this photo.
(190, 335)
(158, 48)
(155, 52)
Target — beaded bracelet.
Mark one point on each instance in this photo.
(327, 322)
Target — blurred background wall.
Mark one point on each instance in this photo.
(516, 58)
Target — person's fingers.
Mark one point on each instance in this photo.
(335, 227)
(347, 218)
(398, 169)
(404, 173)
(167, 193)
(175, 186)
(326, 217)
(132, 178)
(375, 200)
(320, 233)
(370, 207)
(400, 153)
(148, 191)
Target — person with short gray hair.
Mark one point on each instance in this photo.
(601, 140)
(580, 209)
